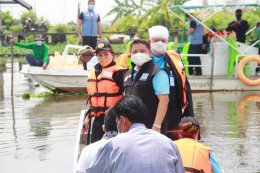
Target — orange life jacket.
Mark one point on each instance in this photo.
(176, 60)
(194, 155)
(103, 90)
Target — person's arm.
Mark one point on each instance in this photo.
(79, 25)
(99, 28)
(192, 27)
(25, 45)
(45, 57)
(214, 163)
(161, 87)
(118, 77)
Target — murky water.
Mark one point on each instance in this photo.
(38, 135)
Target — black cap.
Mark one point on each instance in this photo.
(38, 38)
(190, 120)
(103, 44)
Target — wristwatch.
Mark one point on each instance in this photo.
(157, 126)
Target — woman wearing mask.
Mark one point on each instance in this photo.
(40, 55)
(150, 83)
(104, 88)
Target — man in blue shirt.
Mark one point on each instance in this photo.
(88, 26)
(180, 99)
(150, 83)
(137, 149)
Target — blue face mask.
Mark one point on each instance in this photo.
(257, 29)
(91, 7)
(39, 43)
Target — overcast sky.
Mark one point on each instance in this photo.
(63, 11)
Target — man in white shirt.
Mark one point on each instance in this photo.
(90, 151)
(137, 149)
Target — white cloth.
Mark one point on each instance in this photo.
(159, 31)
(92, 63)
(140, 150)
(88, 154)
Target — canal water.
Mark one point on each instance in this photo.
(38, 135)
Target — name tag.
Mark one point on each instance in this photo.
(144, 77)
(107, 74)
(172, 84)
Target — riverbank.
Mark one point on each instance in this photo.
(18, 52)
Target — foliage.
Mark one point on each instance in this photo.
(30, 14)
(60, 28)
(7, 19)
(27, 96)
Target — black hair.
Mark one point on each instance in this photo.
(238, 11)
(141, 41)
(110, 120)
(131, 107)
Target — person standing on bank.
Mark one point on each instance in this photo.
(180, 99)
(240, 26)
(89, 26)
(196, 40)
(104, 88)
(150, 83)
(40, 55)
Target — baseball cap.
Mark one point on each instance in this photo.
(86, 50)
(38, 38)
(103, 44)
(192, 120)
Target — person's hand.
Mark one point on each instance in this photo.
(85, 125)
(156, 129)
(11, 42)
(44, 66)
(80, 39)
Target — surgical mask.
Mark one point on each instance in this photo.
(159, 47)
(257, 29)
(140, 58)
(118, 129)
(39, 43)
(91, 7)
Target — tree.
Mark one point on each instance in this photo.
(127, 7)
(7, 20)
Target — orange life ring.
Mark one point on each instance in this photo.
(241, 74)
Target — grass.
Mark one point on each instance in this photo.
(6, 51)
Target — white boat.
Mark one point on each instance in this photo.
(57, 79)
(64, 72)
(81, 140)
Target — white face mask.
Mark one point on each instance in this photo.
(159, 47)
(39, 43)
(140, 58)
(91, 7)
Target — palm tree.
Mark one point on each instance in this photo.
(126, 7)
(161, 7)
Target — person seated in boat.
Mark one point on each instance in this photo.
(40, 55)
(196, 157)
(89, 152)
(150, 83)
(87, 57)
(104, 88)
(136, 149)
(180, 98)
